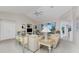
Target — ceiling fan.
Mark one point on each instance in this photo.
(39, 11)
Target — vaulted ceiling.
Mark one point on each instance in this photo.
(37, 13)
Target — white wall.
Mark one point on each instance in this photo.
(68, 18)
(9, 23)
(76, 22)
(7, 30)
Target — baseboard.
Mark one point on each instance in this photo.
(6, 39)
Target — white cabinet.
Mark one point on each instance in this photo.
(33, 42)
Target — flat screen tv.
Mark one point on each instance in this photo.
(29, 29)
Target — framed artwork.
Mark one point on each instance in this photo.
(51, 26)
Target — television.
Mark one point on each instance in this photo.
(29, 29)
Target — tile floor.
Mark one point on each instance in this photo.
(10, 46)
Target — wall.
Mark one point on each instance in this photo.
(51, 21)
(9, 18)
(76, 22)
(68, 18)
(7, 29)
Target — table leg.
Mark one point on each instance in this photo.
(39, 47)
(49, 49)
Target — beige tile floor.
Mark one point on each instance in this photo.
(10, 46)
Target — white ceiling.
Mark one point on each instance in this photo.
(48, 13)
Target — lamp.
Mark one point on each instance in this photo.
(46, 30)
